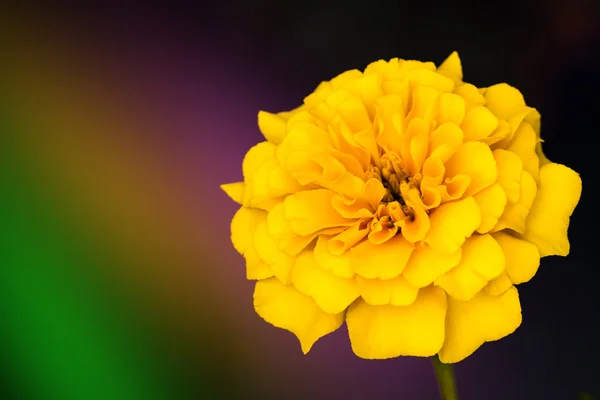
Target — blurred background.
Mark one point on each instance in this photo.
(118, 123)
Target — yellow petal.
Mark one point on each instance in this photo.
(470, 93)
(348, 237)
(243, 228)
(331, 293)
(310, 211)
(294, 246)
(501, 133)
(433, 172)
(256, 156)
(379, 332)
(515, 215)
(368, 87)
(234, 190)
(256, 268)
(243, 225)
(491, 202)
(479, 123)
(498, 285)
(339, 265)
(450, 108)
(353, 112)
(504, 100)
(523, 144)
(279, 226)
(448, 134)
(548, 220)
(451, 223)
(419, 146)
(416, 229)
(377, 292)
(510, 167)
(387, 108)
(382, 261)
(484, 318)
(285, 307)
(264, 177)
(424, 100)
(454, 188)
(482, 260)
(266, 247)
(272, 126)
(476, 160)
(426, 265)
(425, 77)
(522, 257)
(451, 67)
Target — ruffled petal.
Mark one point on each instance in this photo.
(510, 168)
(451, 108)
(491, 202)
(515, 215)
(285, 307)
(451, 224)
(522, 257)
(474, 159)
(243, 225)
(396, 291)
(310, 211)
(264, 178)
(426, 265)
(379, 332)
(381, 261)
(498, 285)
(331, 293)
(548, 220)
(339, 265)
(524, 144)
(484, 318)
(482, 260)
(266, 247)
(479, 123)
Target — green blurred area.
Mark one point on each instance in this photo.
(63, 336)
(68, 332)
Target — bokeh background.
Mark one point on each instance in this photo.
(118, 123)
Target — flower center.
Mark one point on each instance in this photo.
(397, 182)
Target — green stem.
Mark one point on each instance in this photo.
(445, 377)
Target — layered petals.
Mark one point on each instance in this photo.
(451, 224)
(522, 257)
(405, 201)
(332, 293)
(482, 260)
(396, 291)
(381, 261)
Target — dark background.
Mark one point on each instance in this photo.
(118, 123)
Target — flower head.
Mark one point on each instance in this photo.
(405, 202)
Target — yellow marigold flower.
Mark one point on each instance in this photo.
(405, 202)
